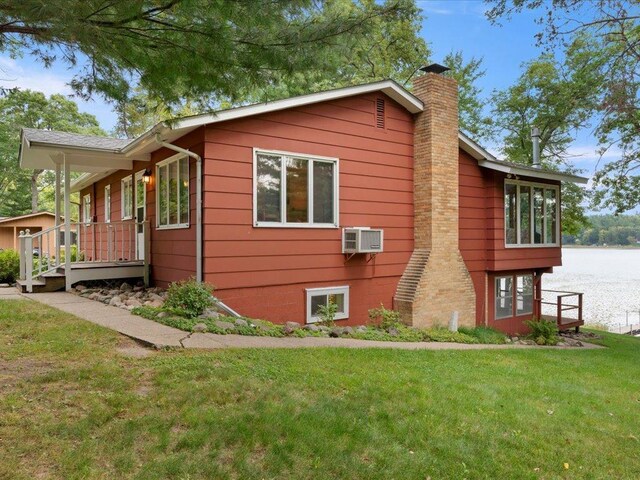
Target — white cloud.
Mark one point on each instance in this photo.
(14, 75)
(452, 7)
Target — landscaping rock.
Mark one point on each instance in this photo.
(115, 301)
(156, 298)
(393, 331)
(290, 327)
(241, 322)
(162, 315)
(324, 328)
(132, 302)
(336, 332)
(312, 328)
(138, 289)
(4, 285)
(125, 287)
(200, 328)
(208, 313)
(80, 288)
(347, 331)
(224, 325)
(361, 329)
(114, 292)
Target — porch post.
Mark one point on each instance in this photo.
(57, 214)
(67, 223)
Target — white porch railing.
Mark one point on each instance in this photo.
(90, 243)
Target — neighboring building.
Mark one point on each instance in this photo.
(279, 182)
(10, 228)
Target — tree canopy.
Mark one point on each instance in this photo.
(177, 49)
(612, 28)
(21, 190)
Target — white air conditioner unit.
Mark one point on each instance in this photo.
(362, 240)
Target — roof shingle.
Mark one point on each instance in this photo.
(74, 139)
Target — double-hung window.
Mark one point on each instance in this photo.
(127, 197)
(173, 192)
(513, 296)
(86, 208)
(107, 203)
(531, 213)
(292, 190)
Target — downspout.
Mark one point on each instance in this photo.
(198, 159)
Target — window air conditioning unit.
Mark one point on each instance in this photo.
(362, 240)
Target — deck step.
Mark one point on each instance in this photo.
(45, 283)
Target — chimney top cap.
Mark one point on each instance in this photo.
(435, 68)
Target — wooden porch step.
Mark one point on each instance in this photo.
(46, 283)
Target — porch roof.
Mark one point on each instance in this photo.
(85, 153)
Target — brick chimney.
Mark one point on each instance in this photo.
(436, 281)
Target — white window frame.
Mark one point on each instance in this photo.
(532, 185)
(172, 226)
(123, 204)
(107, 204)
(86, 209)
(315, 292)
(283, 190)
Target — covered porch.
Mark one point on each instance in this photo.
(79, 250)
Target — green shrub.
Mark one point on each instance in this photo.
(328, 313)
(543, 332)
(440, 334)
(484, 334)
(386, 318)
(191, 297)
(9, 266)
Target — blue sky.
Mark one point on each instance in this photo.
(449, 25)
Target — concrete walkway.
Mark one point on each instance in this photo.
(161, 336)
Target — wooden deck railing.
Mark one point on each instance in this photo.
(562, 301)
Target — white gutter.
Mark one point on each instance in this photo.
(198, 159)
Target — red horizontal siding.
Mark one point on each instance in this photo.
(172, 250)
(253, 266)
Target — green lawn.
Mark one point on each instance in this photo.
(73, 406)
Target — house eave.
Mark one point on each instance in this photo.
(487, 160)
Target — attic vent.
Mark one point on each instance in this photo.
(380, 112)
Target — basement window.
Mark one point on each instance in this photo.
(513, 296)
(318, 297)
(292, 190)
(531, 213)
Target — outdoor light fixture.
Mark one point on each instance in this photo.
(146, 176)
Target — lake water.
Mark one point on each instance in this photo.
(609, 279)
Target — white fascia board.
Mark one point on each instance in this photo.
(525, 172)
(486, 160)
(473, 149)
(393, 90)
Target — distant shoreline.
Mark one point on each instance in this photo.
(607, 247)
